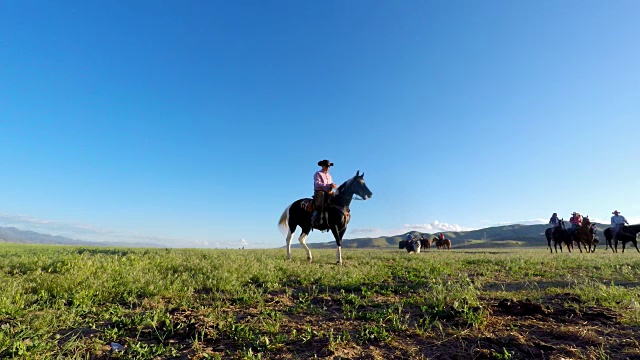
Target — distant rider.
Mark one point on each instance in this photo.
(617, 222)
(576, 221)
(555, 222)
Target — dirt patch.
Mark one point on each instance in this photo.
(557, 327)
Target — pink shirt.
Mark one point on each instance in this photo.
(577, 220)
(322, 181)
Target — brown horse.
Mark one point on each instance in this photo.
(442, 244)
(584, 235)
(425, 243)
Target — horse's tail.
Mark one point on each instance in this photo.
(283, 224)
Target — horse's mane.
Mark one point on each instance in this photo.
(344, 185)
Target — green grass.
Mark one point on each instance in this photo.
(67, 302)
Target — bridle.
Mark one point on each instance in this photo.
(354, 196)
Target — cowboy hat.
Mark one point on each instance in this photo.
(325, 163)
(574, 213)
(616, 212)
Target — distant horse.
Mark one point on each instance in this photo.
(413, 246)
(560, 236)
(548, 234)
(442, 244)
(608, 237)
(584, 235)
(338, 215)
(626, 234)
(425, 243)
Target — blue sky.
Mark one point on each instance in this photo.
(197, 123)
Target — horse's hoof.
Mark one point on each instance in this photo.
(339, 263)
(309, 259)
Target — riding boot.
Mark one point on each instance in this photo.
(316, 219)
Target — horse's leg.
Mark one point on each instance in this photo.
(289, 236)
(635, 243)
(302, 239)
(337, 234)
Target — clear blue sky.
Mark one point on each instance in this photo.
(193, 123)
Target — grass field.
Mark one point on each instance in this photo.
(69, 302)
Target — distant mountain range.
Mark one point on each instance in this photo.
(497, 236)
(13, 235)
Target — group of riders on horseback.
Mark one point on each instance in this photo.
(414, 244)
(583, 231)
(329, 210)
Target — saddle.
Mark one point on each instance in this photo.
(308, 205)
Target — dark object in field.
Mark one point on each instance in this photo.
(521, 308)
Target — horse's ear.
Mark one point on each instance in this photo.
(362, 175)
(357, 173)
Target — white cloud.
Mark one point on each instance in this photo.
(599, 221)
(524, 222)
(80, 231)
(434, 227)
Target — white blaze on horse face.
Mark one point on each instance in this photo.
(289, 236)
